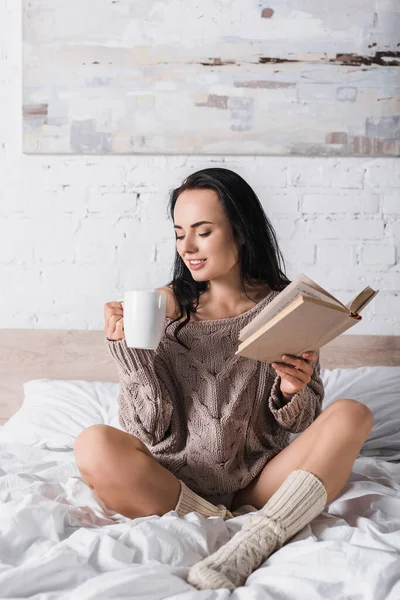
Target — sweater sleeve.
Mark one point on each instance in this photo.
(298, 413)
(144, 401)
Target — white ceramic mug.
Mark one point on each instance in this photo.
(144, 318)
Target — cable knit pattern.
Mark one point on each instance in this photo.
(212, 418)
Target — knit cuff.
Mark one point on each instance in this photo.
(189, 502)
(300, 499)
(286, 414)
(131, 359)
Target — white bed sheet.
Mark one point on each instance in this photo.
(57, 540)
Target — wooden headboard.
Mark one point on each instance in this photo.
(36, 354)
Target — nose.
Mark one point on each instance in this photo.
(188, 245)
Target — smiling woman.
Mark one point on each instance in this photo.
(207, 430)
(205, 245)
(227, 256)
(208, 248)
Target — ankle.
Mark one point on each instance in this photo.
(189, 501)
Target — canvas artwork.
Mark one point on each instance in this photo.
(213, 77)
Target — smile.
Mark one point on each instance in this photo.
(196, 264)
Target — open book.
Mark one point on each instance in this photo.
(302, 317)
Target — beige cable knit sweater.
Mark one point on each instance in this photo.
(212, 418)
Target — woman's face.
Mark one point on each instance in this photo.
(204, 237)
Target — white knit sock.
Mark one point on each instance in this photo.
(300, 498)
(189, 501)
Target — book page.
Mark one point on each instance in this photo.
(307, 325)
(317, 287)
(359, 302)
(289, 294)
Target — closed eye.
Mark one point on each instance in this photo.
(180, 237)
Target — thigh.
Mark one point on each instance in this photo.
(260, 490)
(330, 445)
(123, 472)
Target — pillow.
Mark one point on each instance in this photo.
(54, 411)
(379, 389)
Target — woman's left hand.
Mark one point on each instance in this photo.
(295, 372)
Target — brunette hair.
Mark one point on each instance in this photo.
(260, 258)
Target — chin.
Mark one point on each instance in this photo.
(203, 275)
(199, 277)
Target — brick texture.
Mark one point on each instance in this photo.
(76, 231)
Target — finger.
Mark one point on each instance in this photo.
(119, 330)
(286, 371)
(114, 319)
(298, 363)
(114, 313)
(298, 385)
(310, 356)
(114, 307)
(112, 325)
(111, 306)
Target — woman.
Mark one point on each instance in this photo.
(208, 431)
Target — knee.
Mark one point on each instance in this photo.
(90, 443)
(353, 414)
(100, 446)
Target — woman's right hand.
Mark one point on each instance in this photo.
(114, 321)
(114, 315)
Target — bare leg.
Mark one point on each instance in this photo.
(124, 474)
(290, 492)
(327, 448)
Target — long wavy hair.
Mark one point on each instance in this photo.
(260, 259)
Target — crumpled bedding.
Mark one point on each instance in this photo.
(59, 541)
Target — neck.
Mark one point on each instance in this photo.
(226, 289)
(226, 297)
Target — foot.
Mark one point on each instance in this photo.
(231, 565)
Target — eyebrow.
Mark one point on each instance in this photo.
(195, 224)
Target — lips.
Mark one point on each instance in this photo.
(196, 263)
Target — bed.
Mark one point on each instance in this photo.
(59, 541)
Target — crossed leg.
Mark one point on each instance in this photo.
(291, 490)
(123, 473)
(327, 448)
(128, 479)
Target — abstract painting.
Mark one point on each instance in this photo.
(239, 77)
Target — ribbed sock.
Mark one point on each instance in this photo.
(300, 498)
(189, 501)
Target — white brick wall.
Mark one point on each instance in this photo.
(76, 231)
